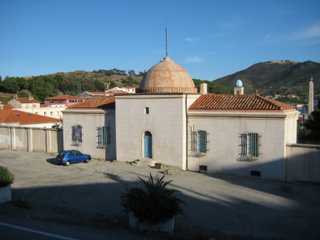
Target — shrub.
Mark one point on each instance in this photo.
(6, 177)
(153, 202)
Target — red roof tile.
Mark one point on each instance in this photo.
(15, 116)
(219, 102)
(94, 102)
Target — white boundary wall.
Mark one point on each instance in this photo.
(31, 139)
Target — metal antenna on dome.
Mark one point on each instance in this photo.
(166, 42)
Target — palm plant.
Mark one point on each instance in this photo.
(152, 203)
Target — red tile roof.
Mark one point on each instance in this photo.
(94, 103)
(63, 97)
(15, 116)
(219, 102)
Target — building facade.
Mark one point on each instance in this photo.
(169, 122)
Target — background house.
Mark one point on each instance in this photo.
(90, 127)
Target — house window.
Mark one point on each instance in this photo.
(199, 141)
(249, 143)
(147, 110)
(76, 135)
(103, 136)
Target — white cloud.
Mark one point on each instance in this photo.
(194, 59)
(310, 32)
(191, 39)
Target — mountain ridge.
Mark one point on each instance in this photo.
(274, 77)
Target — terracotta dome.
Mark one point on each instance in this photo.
(167, 77)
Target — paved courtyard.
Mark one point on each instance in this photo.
(234, 205)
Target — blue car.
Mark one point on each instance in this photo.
(72, 156)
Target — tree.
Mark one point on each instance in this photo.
(313, 126)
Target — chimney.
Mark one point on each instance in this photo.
(203, 88)
(238, 89)
(311, 97)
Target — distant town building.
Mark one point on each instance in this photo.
(63, 100)
(109, 92)
(24, 102)
(52, 106)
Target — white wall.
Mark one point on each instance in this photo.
(30, 139)
(291, 127)
(166, 122)
(90, 120)
(224, 143)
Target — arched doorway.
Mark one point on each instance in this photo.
(147, 144)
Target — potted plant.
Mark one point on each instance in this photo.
(6, 178)
(152, 207)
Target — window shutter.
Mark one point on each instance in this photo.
(202, 141)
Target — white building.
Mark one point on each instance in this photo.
(24, 103)
(169, 122)
(109, 92)
(30, 105)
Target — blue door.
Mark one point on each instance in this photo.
(147, 145)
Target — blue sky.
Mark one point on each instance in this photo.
(209, 38)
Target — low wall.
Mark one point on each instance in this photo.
(31, 139)
(303, 162)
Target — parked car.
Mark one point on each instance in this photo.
(72, 156)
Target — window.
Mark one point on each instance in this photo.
(249, 143)
(147, 110)
(76, 135)
(103, 136)
(199, 141)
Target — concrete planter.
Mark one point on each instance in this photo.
(167, 226)
(5, 194)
